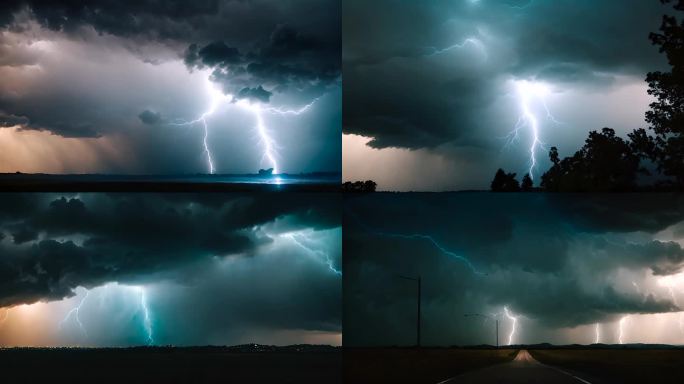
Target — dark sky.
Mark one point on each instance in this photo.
(564, 266)
(434, 89)
(210, 269)
(105, 86)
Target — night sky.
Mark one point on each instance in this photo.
(138, 269)
(120, 86)
(568, 268)
(433, 88)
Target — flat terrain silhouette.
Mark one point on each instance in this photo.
(241, 364)
(595, 364)
(39, 182)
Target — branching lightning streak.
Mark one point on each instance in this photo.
(281, 111)
(475, 42)
(267, 141)
(669, 282)
(147, 320)
(526, 92)
(419, 236)
(75, 312)
(206, 146)
(621, 326)
(217, 97)
(316, 252)
(4, 318)
(514, 324)
(598, 334)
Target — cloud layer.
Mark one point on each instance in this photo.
(561, 262)
(122, 74)
(240, 247)
(441, 76)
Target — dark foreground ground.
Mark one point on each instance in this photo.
(619, 365)
(409, 365)
(599, 364)
(170, 365)
(314, 182)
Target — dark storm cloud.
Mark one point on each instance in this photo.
(561, 261)
(213, 54)
(162, 19)
(414, 81)
(289, 60)
(150, 118)
(88, 69)
(11, 120)
(61, 242)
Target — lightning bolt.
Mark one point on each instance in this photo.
(598, 334)
(514, 323)
(621, 325)
(418, 236)
(319, 253)
(4, 318)
(147, 320)
(669, 282)
(282, 111)
(472, 41)
(217, 98)
(74, 312)
(267, 142)
(527, 93)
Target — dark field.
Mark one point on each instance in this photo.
(22, 182)
(408, 365)
(169, 365)
(619, 365)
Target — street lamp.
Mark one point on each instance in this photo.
(487, 317)
(418, 313)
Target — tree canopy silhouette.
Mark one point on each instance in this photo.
(505, 182)
(609, 163)
(666, 117)
(527, 184)
(606, 163)
(359, 186)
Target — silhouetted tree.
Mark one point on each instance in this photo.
(606, 162)
(666, 117)
(527, 185)
(369, 186)
(359, 186)
(505, 182)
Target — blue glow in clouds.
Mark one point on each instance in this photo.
(419, 236)
(74, 314)
(111, 310)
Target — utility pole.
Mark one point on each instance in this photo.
(497, 333)
(487, 317)
(418, 280)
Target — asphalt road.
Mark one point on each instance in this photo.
(523, 369)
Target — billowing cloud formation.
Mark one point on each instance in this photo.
(149, 117)
(98, 71)
(441, 75)
(290, 60)
(183, 247)
(560, 262)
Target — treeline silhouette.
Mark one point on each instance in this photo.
(359, 186)
(608, 163)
